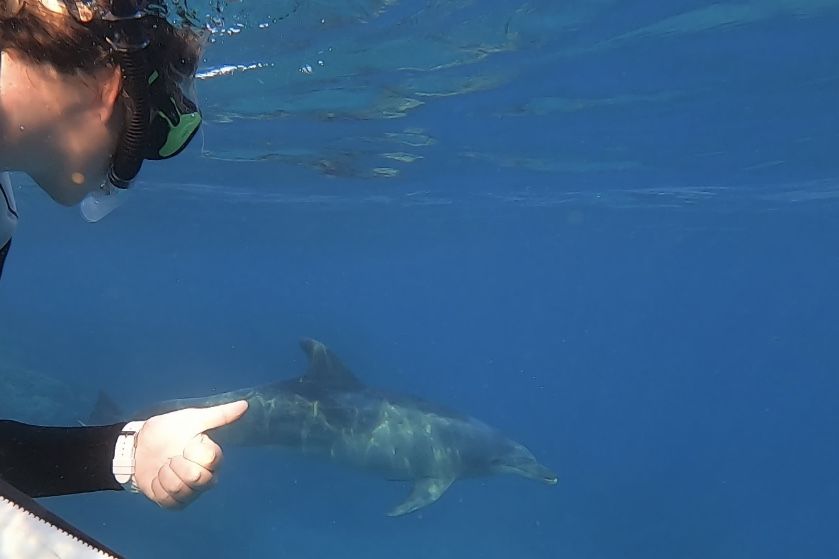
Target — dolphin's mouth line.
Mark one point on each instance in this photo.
(540, 474)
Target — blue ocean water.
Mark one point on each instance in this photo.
(608, 229)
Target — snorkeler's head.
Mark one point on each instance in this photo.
(128, 42)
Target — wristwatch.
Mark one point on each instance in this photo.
(123, 464)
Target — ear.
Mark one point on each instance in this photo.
(109, 87)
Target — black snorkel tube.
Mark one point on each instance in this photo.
(128, 39)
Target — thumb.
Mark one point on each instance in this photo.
(219, 416)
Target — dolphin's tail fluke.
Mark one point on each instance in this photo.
(105, 411)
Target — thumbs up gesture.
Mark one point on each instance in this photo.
(174, 460)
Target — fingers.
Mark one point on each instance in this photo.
(181, 480)
(164, 498)
(204, 452)
(218, 416)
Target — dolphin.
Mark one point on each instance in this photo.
(329, 413)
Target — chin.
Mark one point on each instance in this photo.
(66, 193)
(68, 197)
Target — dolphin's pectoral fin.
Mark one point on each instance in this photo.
(425, 492)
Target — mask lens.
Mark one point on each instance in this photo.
(175, 122)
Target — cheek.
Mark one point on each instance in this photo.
(38, 113)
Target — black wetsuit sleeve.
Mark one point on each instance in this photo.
(48, 461)
(4, 250)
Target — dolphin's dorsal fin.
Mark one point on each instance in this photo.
(104, 411)
(425, 492)
(325, 368)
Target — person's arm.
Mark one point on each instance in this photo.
(8, 216)
(48, 461)
(4, 250)
(174, 461)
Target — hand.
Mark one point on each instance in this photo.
(174, 460)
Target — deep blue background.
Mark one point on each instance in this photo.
(624, 256)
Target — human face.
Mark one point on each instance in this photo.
(61, 129)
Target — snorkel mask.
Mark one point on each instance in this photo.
(162, 120)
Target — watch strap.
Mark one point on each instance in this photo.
(124, 452)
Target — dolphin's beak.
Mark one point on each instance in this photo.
(541, 473)
(532, 470)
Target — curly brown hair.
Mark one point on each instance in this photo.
(46, 36)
